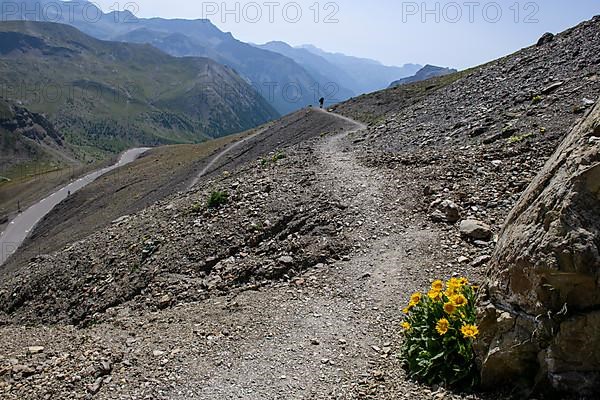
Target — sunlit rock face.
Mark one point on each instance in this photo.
(540, 320)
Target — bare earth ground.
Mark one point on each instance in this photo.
(325, 334)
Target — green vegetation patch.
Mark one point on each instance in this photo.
(217, 199)
(536, 99)
(273, 159)
(439, 330)
(519, 138)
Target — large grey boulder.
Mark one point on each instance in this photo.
(476, 230)
(540, 321)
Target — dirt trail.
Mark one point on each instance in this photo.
(288, 131)
(218, 156)
(358, 125)
(325, 338)
(326, 335)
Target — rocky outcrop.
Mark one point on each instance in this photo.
(27, 136)
(444, 211)
(34, 126)
(541, 319)
(545, 39)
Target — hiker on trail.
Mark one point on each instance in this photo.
(68, 193)
(19, 207)
(321, 102)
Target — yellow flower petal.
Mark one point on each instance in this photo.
(470, 331)
(435, 295)
(442, 326)
(459, 300)
(415, 298)
(450, 308)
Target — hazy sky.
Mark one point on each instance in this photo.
(458, 34)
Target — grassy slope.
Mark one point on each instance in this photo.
(113, 95)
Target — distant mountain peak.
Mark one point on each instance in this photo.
(367, 75)
(278, 43)
(427, 72)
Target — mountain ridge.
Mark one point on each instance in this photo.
(287, 84)
(369, 75)
(281, 82)
(427, 72)
(145, 96)
(325, 73)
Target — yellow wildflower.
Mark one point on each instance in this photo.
(453, 287)
(459, 300)
(437, 286)
(455, 283)
(470, 331)
(406, 326)
(406, 310)
(442, 326)
(450, 308)
(463, 281)
(415, 299)
(435, 295)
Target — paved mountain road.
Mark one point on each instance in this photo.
(22, 225)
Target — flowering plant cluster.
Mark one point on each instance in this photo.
(439, 329)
